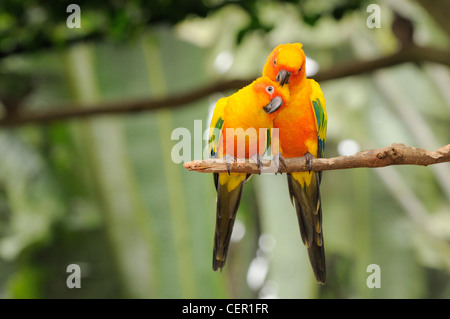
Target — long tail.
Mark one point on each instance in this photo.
(306, 198)
(229, 193)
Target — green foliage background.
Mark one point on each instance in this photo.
(104, 192)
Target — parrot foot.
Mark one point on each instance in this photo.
(228, 160)
(309, 157)
(278, 158)
(258, 159)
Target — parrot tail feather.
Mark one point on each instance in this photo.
(306, 199)
(228, 199)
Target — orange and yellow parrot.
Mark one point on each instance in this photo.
(253, 107)
(302, 125)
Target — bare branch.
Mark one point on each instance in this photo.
(413, 53)
(71, 111)
(396, 154)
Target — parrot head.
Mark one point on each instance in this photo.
(286, 64)
(272, 95)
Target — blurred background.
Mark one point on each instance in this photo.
(99, 188)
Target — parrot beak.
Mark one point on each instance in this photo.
(283, 77)
(273, 105)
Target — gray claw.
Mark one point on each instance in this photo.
(228, 160)
(309, 157)
(258, 159)
(278, 158)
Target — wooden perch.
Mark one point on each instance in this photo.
(396, 154)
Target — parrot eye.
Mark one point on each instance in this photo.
(269, 89)
(299, 69)
(275, 61)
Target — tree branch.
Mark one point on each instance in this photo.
(396, 154)
(415, 54)
(71, 111)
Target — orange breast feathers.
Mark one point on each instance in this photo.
(244, 143)
(297, 125)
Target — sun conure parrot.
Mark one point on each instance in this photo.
(302, 125)
(254, 106)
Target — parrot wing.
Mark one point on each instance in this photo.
(320, 112)
(229, 189)
(305, 192)
(215, 128)
(215, 131)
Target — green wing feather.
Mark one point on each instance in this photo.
(320, 112)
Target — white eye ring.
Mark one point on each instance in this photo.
(269, 89)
